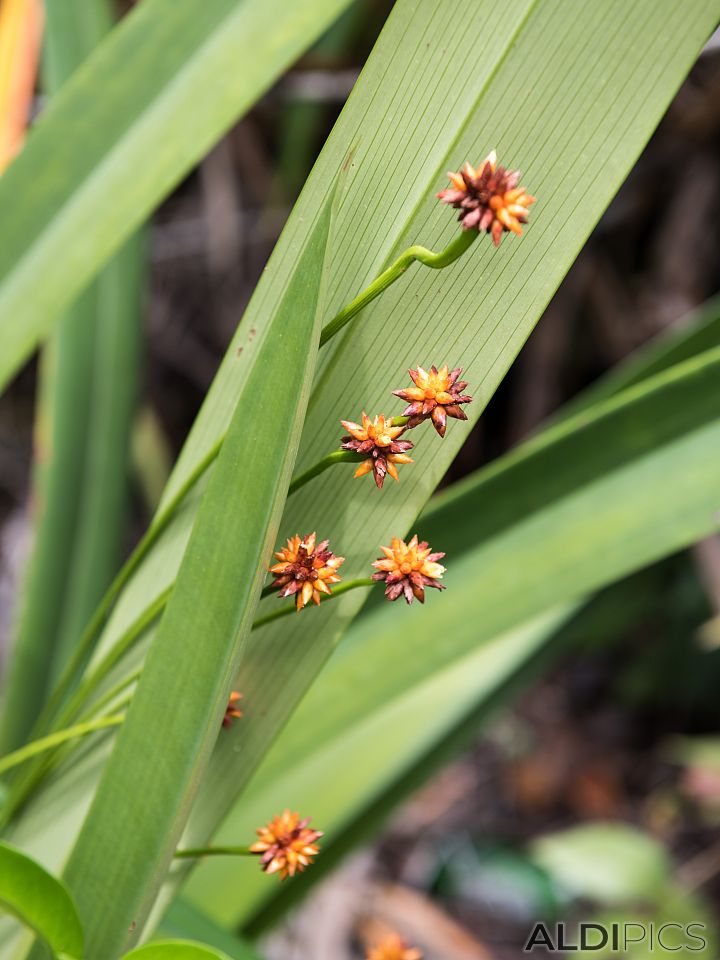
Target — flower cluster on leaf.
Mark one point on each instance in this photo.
(490, 200)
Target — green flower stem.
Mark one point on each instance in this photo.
(455, 249)
(337, 456)
(213, 852)
(289, 608)
(58, 738)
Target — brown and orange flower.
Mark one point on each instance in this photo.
(377, 440)
(407, 568)
(232, 712)
(393, 947)
(305, 570)
(286, 845)
(437, 395)
(488, 198)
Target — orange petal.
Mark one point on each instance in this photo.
(365, 467)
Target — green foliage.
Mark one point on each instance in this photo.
(572, 510)
(189, 71)
(86, 397)
(40, 902)
(571, 100)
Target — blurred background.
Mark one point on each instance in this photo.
(623, 726)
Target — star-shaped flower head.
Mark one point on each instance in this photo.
(377, 440)
(232, 712)
(286, 845)
(437, 395)
(489, 198)
(407, 568)
(393, 947)
(305, 569)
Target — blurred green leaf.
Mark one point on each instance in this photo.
(86, 399)
(609, 863)
(40, 902)
(184, 921)
(691, 930)
(176, 950)
(189, 71)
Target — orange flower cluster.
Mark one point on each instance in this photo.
(286, 845)
(305, 570)
(488, 198)
(407, 568)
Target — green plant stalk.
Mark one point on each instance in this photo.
(213, 852)
(290, 608)
(455, 249)
(56, 739)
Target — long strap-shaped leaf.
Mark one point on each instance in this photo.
(144, 797)
(567, 94)
(561, 517)
(188, 71)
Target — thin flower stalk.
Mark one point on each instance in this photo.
(436, 261)
(57, 739)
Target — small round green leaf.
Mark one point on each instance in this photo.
(40, 902)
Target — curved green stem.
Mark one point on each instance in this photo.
(213, 852)
(455, 249)
(337, 456)
(289, 608)
(56, 739)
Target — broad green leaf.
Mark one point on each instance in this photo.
(567, 513)
(609, 863)
(176, 950)
(188, 72)
(129, 836)
(86, 398)
(568, 98)
(39, 901)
